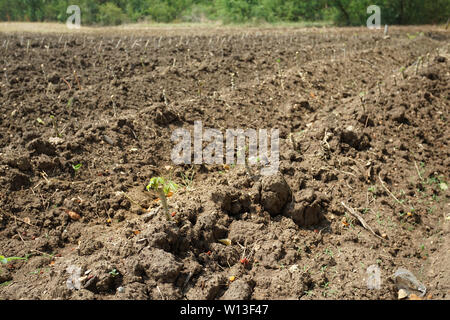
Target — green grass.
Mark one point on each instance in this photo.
(114, 273)
(328, 252)
(4, 284)
(5, 260)
(373, 190)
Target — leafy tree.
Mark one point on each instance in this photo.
(342, 12)
(110, 14)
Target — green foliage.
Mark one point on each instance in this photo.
(341, 12)
(158, 183)
(163, 188)
(5, 260)
(110, 14)
(354, 12)
(76, 167)
(114, 273)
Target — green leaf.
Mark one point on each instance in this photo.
(14, 258)
(6, 260)
(4, 284)
(77, 167)
(155, 183)
(172, 186)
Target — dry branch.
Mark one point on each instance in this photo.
(363, 222)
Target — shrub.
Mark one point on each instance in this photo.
(110, 14)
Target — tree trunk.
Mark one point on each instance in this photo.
(402, 11)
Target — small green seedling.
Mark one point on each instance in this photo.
(329, 252)
(55, 126)
(5, 260)
(76, 167)
(70, 102)
(39, 120)
(114, 273)
(402, 71)
(188, 178)
(163, 188)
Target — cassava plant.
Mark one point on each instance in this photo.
(163, 187)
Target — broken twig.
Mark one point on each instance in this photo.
(387, 190)
(363, 222)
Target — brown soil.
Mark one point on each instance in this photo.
(362, 119)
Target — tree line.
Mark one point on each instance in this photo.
(340, 12)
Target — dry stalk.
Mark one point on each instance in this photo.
(363, 222)
(389, 192)
(418, 172)
(17, 219)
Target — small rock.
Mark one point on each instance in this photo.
(108, 140)
(405, 280)
(56, 140)
(402, 294)
(294, 268)
(120, 290)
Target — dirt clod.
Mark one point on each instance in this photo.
(275, 193)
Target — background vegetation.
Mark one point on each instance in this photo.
(341, 12)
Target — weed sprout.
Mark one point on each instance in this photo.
(76, 167)
(5, 260)
(163, 188)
